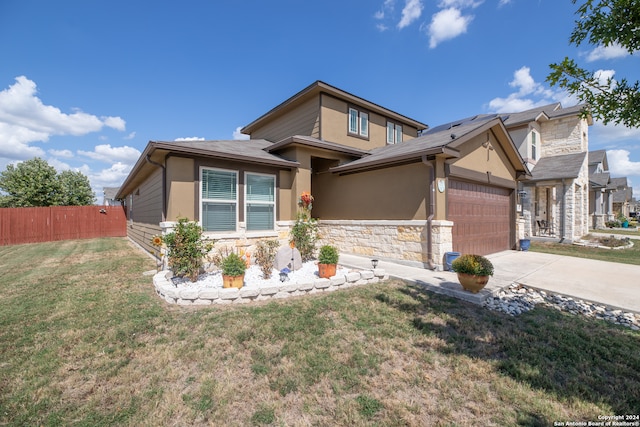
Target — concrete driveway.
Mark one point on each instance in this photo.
(612, 284)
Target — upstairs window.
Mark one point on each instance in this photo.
(358, 123)
(394, 133)
(534, 145)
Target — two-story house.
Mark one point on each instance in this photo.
(384, 185)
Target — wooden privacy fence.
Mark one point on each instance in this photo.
(35, 225)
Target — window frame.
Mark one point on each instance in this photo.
(535, 148)
(203, 200)
(362, 122)
(394, 133)
(272, 203)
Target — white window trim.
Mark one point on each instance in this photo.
(257, 202)
(393, 131)
(202, 200)
(361, 131)
(534, 146)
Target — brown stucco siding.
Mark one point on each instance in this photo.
(490, 159)
(181, 188)
(304, 120)
(335, 122)
(395, 193)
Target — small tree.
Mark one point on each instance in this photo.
(75, 189)
(266, 256)
(186, 249)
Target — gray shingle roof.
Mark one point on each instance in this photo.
(253, 150)
(599, 180)
(597, 156)
(558, 167)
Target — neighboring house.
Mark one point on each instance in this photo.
(622, 196)
(109, 196)
(554, 141)
(600, 189)
(384, 185)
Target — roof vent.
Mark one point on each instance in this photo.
(453, 136)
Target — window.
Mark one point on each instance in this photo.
(394, 133)
(260, 201)
(534, 145)
(219, 200)
(358, 122)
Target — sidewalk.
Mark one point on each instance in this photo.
(612, 284)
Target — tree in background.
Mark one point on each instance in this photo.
(36, 183)
(603, 23)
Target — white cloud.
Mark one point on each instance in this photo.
(239, 135)
(130, 136)
(607, 52)
(620, 164)
(611, 133)
(447, 24)
(411, 11)
(66, 154)
(503, 2)
(603, 76)
(379, 15)
(24, 119)
(109, 154)
(189, 138)
(529, 94)
(459, 4)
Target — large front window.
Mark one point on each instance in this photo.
(260, 201)
(219, 200)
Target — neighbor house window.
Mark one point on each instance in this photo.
(219, 200)
(260, 201)
(534, 145)
(394, 133)
(358, 122)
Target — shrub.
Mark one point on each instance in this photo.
(476, 265)
(265, 256)
(328, 255)
(233, 265)
(304, 235)
(186, 249)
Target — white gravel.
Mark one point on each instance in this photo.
(253, 277)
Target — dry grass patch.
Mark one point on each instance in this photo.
(90, 343)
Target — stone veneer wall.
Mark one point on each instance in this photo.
(400, 241)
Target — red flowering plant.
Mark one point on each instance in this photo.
(306, 200)
(304, 232)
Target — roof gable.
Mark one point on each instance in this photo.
(558, 167)
(315, 89)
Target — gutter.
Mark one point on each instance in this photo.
(164, 185)
(432, 204)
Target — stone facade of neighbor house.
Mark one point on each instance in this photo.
(384, 185)
(554, 141)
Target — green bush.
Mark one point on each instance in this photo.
(328, 255)
(233, 265)
(186, 249)
(476, 265)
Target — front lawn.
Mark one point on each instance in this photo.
(625, 256)
(84, 340)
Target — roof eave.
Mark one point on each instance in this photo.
(392, 161)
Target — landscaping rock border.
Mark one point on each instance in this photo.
(207, 296)
(517, 299)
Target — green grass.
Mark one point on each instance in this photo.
(84, 340)
(625, 256)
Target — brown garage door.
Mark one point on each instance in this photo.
(481, 216)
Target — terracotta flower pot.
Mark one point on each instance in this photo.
(232, 281)
(326, 270)
(471, 282)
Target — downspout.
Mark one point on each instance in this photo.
(432, 205)
(164, 185)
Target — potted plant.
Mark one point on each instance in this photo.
(327, 261)
(473, 271)
(233, 268)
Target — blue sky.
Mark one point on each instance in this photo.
(86, 84)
